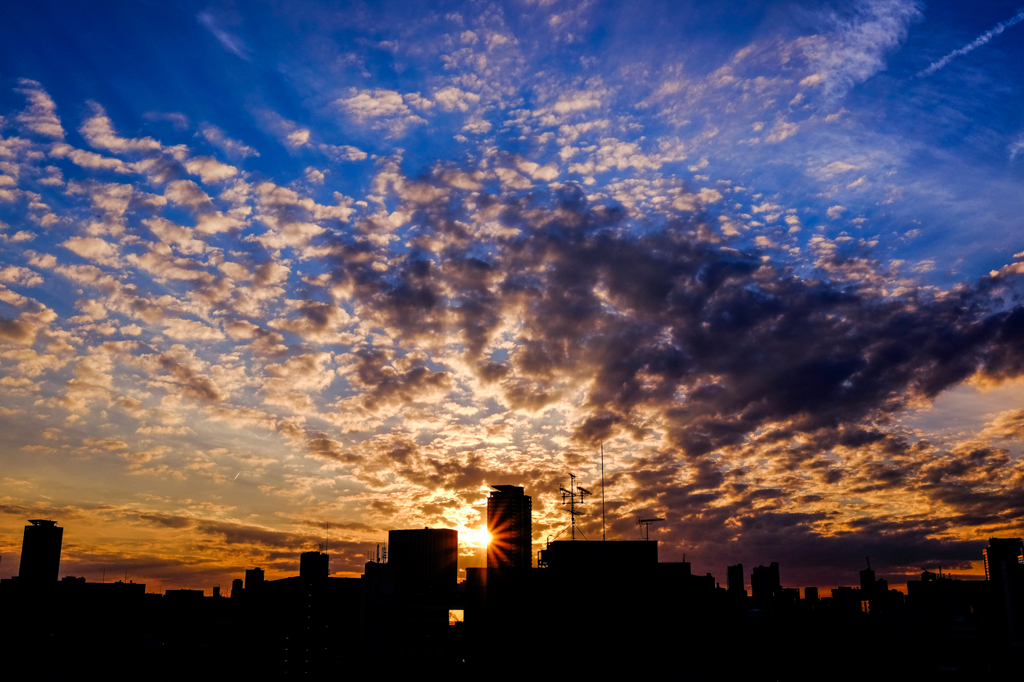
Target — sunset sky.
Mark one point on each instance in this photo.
(271, 266)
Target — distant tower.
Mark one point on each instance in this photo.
(40, 552)
(510, 523)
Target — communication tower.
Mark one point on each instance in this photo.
(573, 496)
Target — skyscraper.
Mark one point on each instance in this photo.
(734, 577)
(510, 523)
(40, 552)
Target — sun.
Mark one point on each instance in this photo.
(478, 537)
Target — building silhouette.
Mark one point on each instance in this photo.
(314, 565)
(510, 524)
(734, 579)
(765, 584)
(254, 579)
(40, 552)
(1004, 569)
(424, 560)
(410, 616)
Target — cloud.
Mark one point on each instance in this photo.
(209, 169)
(99, 132)
(14, 274)
(93, 248)
(856, 46)
(973, 45)
(1015, 147)
(186, 193)
(342, 153)
(452, 98)
(88, 159)
(231, 42)
(297, 138)
(781, 130)
(41, 115)
(385, 109)
(217, 138)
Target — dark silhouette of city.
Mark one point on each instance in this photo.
(590, 603)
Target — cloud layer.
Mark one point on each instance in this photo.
(223, 337)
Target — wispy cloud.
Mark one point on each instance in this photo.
(1016, 147)
(217, 138)
(976, 43)
(228, 40)
(856, 47)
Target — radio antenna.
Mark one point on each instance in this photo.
(645, 527)
(603, 536)
(569, 497)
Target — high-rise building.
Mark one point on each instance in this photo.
(765, 583)
(424, 561)
(510, 523)
(867, 581)
(40, 552)
(314, 565)
(1004, 571)
(254, 578)
(734, 579)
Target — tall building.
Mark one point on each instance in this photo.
(765, 583)
(734, 579)
(424, 561)
(254, 579)
(40, 552)
(1004, 572)
(510, 523)
(314, 565)
(867, 581)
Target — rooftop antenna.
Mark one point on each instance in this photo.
(645, 527)
(327, 539)
(569, 497)
(603, 536)
(378, 552)
(385, 553)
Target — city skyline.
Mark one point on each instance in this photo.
(409, 609)
(274, 272)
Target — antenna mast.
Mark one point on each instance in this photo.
(603, 537)
(569, 497)
(645, 527)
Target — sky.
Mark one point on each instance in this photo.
(277, 271)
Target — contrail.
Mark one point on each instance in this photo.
(978, 42)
